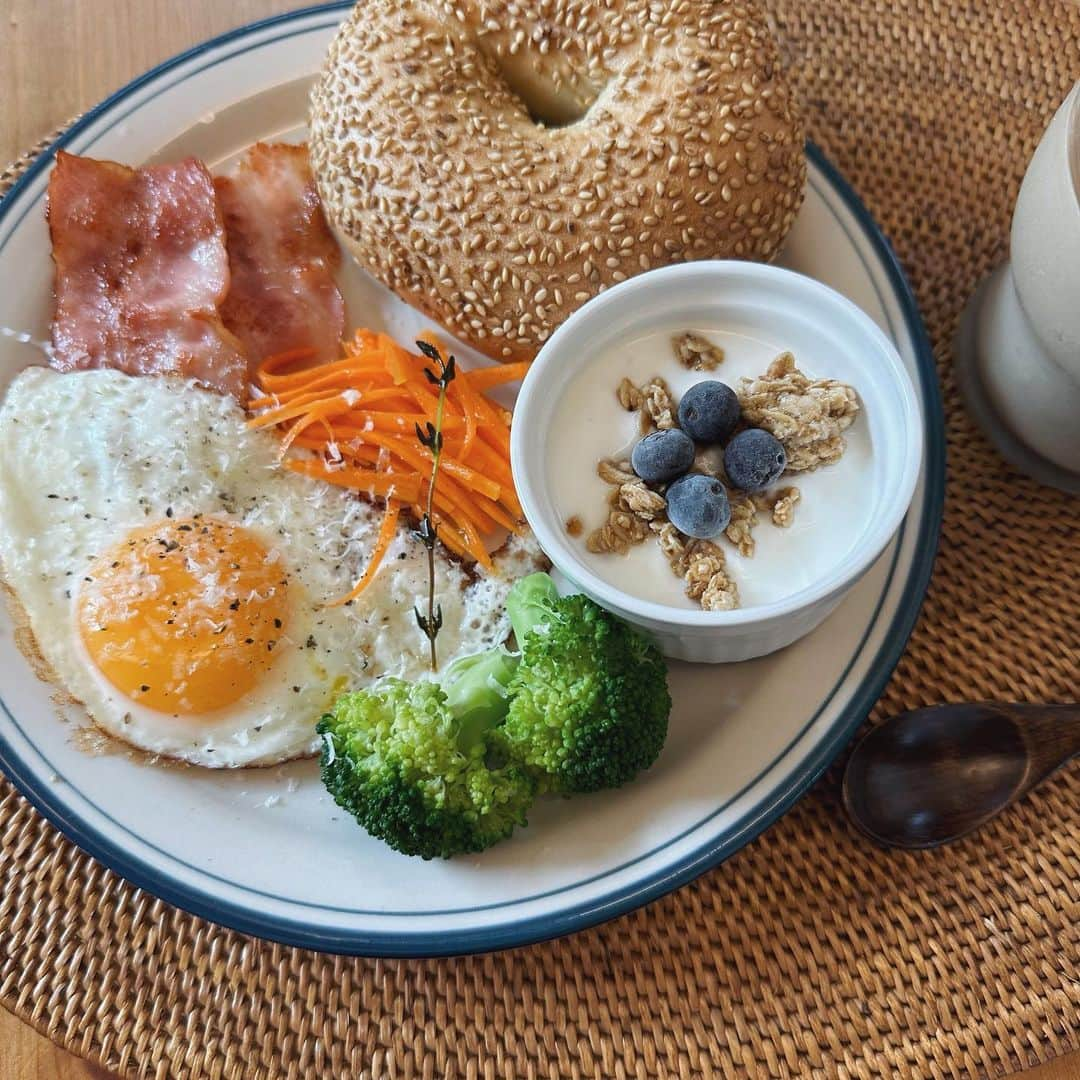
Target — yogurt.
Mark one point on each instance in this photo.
(833, 513)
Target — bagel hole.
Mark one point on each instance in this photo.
(549, 103)
(546, 108)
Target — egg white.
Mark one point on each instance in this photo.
(86, 457)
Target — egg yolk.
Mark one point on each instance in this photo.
(185, 616)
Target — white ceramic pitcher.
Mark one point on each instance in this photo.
(1018, 353)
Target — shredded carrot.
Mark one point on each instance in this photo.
(396, 361)
(360, 422)
(420, 458)
(269, 376)
(485, 378)
(346, 379)
(386, 535)
(341, 402)
(357, 416)
(461, 390)
(297, 429)
(401, 487)
(492, 465)
(494, 511)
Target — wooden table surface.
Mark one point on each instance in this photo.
(57, 58)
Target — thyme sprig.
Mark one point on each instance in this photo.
(431, 436)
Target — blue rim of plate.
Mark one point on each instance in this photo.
(710, 854)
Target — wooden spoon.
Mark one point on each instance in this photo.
(932, 775)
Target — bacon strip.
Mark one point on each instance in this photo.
(282, 256)
(141, 268)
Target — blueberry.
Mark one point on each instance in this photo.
(709, 411)
(698, 506)
(662, 456)
(754, 459)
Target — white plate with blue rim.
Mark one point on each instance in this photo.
(265, 851)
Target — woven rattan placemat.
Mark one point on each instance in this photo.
(810, 952)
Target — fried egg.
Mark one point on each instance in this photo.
(176, 579)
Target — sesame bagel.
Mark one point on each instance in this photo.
(498, 163)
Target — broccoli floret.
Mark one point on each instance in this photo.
(398, 759)
(476, 689)
(441, 770)
(588, 703)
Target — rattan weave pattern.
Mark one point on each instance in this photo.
(808, 953)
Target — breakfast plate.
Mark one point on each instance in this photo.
(265, 850)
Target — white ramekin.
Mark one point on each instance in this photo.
(748, 294)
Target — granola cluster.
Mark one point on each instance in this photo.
(806, 415)
(652, 402)
(781, 504)
(740, 529)
(629, 513)
(635, 512)
(696, 353)
(707, 579)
